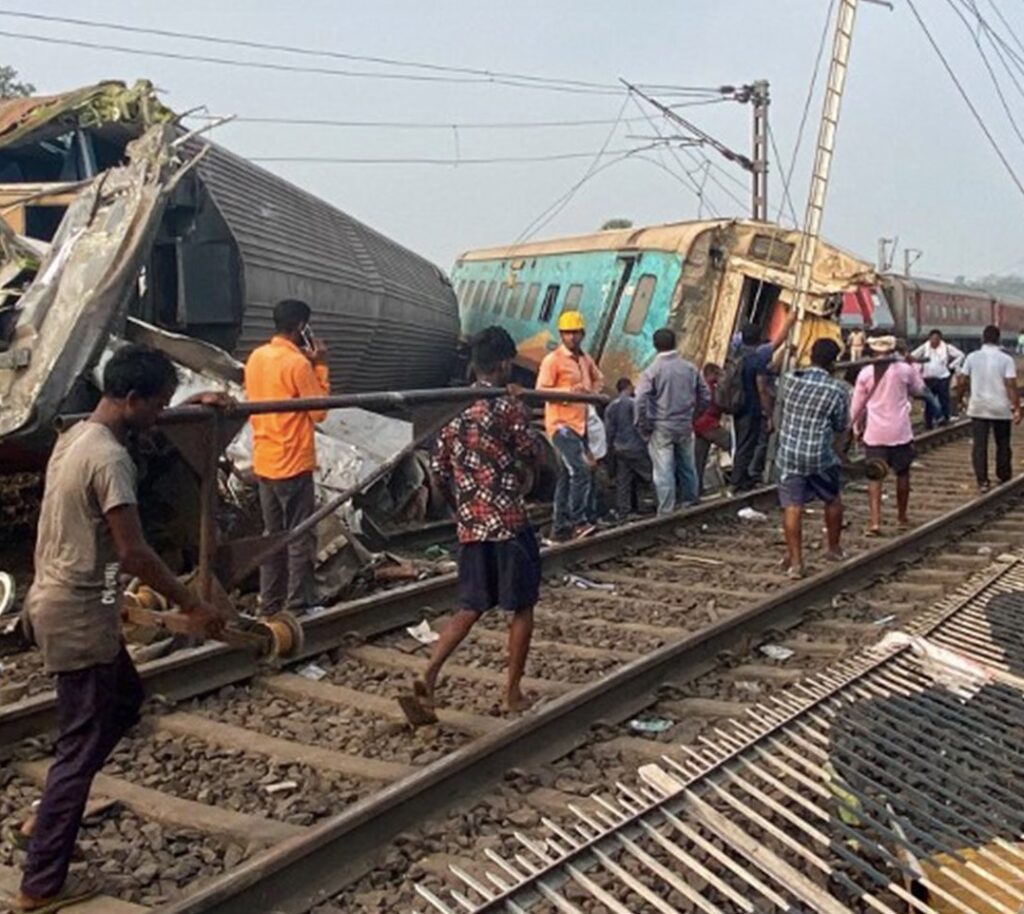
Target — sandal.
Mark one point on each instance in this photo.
(873, 532)
(73, 891)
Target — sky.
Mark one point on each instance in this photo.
(911, 162)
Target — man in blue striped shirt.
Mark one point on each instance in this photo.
(815, 416)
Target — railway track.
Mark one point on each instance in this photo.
(887, 781)
(277, 787)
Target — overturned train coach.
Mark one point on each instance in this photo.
(702, 278)
(112, 211)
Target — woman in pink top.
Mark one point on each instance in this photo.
(881, 419)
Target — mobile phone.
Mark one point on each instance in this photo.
(308, 340)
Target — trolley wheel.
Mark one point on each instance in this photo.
(286, 635)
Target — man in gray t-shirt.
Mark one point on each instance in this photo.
(89, 531)
(670, 393)
(990, 376)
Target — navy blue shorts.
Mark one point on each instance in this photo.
(503, 573)
(797, 491)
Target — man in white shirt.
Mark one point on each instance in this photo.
(990, 375)
(941, 359)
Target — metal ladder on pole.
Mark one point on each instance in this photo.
(841, 43)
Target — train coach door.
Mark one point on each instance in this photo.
(617, 286)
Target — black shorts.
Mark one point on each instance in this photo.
(899, 457)
(503, 573)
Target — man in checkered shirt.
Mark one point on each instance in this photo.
(815, 416)
(478, 460)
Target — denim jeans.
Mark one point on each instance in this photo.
(575, 481)
(675, 471)
(940, 410)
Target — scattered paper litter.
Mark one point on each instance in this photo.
(650, 724)
(576, 580)
(312, 672)
(962, 675)
(984, 550)
(749, 513)
(281, 786)
(885, 620)
(423, 632)
(777, 651)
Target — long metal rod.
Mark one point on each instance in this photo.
(383, 400)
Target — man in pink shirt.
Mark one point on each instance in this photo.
(881, 419)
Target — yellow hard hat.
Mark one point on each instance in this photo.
(569, 321)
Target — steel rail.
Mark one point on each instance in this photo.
(736, 756)
(296, 875)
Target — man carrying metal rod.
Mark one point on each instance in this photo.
(89, 534)
(881, 420)
(290, 366)
(478, 459)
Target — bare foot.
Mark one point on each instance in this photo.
(517, 702)
(418, 707)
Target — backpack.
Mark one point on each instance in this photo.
(729, 394)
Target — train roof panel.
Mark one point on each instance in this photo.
(674, 237)
(951, 288)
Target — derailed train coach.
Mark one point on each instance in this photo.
(702, 278)
(113, 212)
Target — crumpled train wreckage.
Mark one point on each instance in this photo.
(118, 225)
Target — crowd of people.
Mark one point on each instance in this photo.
(658, 432)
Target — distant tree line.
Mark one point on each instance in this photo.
(1004, 283)
(10, 86)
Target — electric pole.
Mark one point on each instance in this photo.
(760, 99)
(883, 254)
(908, 260)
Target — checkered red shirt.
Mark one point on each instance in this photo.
(477, 456)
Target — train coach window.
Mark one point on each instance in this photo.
(513, 300)
(548, 307)
(478, 298)
(572, 297)
(499, 302)
(530, 302)
(489, 297)
(641, 304)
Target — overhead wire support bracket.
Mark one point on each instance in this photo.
(705, 137)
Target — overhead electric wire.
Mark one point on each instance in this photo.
(967, 99)
(698, 191)
(988, 67)
(496, 160)
(999, 45)
(822, 42)
(1009, 28)
(430, 125)
(488, 75)
(318, 71)
(545, 217)
(787, 197)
